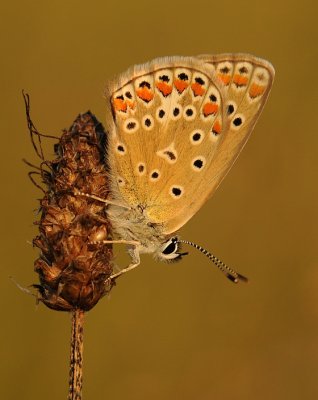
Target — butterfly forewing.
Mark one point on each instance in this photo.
(178, 126)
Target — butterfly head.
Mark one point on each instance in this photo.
(169, 251)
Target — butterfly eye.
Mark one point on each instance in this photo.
(169, 250)
(170, 247)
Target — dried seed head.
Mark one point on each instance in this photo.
(73, 273)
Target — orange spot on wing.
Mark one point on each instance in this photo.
(144, 94)
(240, 80)
(120, 105)
(210, 108)
(216, 129)
(131, 104)
(180, 85)
(225, 78)
(198, 89)
(164, 88)
(256, 90)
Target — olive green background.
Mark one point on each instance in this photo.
(181, 330)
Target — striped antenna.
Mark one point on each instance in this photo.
(227, 271)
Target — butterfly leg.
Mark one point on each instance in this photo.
(133, 252)
(106, 201)
(135, 261)
(130, 242)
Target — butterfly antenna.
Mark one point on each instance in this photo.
(227, 271)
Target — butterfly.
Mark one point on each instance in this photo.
(176, 125)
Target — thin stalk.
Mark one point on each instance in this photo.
(76, 359)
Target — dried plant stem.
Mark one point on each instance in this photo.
(75, 261)
(76, 359)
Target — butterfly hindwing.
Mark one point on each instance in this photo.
(247, 82)
(173, 135)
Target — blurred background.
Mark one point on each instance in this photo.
(180, 330)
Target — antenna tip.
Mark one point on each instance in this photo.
(237, 278)
(242, 278)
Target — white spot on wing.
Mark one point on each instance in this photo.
(161, 114)
(148, 122)
(154, 175)
(198, 163)
(189, 113)
(120, 181)
(176, 191)
(120, 148)
(196, 136)
(176, 112)
(141, 169)
(169, 154)
(237, 121)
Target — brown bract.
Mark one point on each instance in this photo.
(73, 272)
